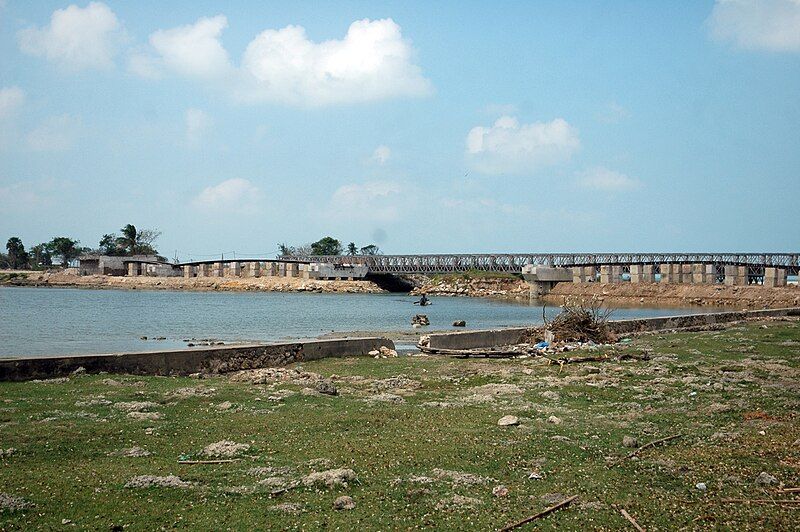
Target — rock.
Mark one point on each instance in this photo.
(420, 319)
(387, 352)
(374, 353)
(330, 478)
(765, 479)
(80, 370)
(701, 486)
(344, 503)
(143, 338)
(459, 323)
(554, 420)
(326, 387)
(551, 395)
(500, 491)
(144, 416)
(508, 421)
(12, 503)
(630, 441)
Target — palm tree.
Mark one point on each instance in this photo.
(352, 249)
(129, 239)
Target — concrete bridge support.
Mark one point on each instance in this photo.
(202, 270)
(610, 274)
(235, 269)
(133, 269)
(217, 270)
(305, 271)
(668, 274)
(774, 277)
(736, 275)
(291, 269)
(578, 275)
(188, 271)
(642, 273)
(252, 269)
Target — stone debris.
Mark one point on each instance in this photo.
(288, 508)
(385, 398)
(399, 382)
(150, 481)
(497, 389)
(459, 323)
(57, 380)
(383, 352)
(326, 387)
(144, 416)
(552, 498)
(224, 449)
(551, 395)
(500, 491)
(225, 405)
(135, 406)
(5, 453)
(458, 501)
(459, 478)
(421, 320)
(273, 482)
(765, 479)
(508, 421)
(344, 503)
(99, 401)
(12, 503)
(701, 486)
(330, 478)
(630, 441)
(184, 393)
(273, 375)
(554, 420)
(132, 452)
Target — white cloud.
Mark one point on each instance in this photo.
(57, 133)
(235, 193)
(11, 99)
(372, 62)
(613, 113)
(772, 25)
(600, 178)
(198, 123)
(374, 200)
(508, 147)
(76, 38)
(193, 50)
(382, 154)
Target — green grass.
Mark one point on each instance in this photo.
(696, 384)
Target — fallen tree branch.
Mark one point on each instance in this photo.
(195, 462)
(652, 444)
(543, 513)
(759, 501)
(628, 516)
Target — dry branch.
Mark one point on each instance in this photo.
(543, 513)
(628, 516)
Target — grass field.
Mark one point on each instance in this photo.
(421, 435)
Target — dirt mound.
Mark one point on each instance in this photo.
(330, 478)
(224, 449)
(135, 406)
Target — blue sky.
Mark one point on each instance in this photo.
(419, 126)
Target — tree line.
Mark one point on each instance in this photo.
(327, 246)
(63, 249)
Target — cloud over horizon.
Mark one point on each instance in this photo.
(601, 178)
(236, 193)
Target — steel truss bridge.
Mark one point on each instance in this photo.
(514, 262)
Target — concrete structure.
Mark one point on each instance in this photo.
(542, 279)
(515, 335)
(221, 359)
(774, 277)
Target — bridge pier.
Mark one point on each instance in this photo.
(251, 269)
(610, 273)
(217, 270)
(133, 269)
(774, 277)
(735, 275)
(235, 269)
(188, 271)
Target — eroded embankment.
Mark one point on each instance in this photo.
(684, 295)
(199, 284)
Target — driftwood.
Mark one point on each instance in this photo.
(632, 521)
(543, 513)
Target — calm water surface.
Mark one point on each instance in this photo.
(42, 321)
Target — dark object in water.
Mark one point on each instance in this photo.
(459, 323)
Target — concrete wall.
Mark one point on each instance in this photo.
(514, 335)
(192, 360)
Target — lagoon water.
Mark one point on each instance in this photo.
(52, 321)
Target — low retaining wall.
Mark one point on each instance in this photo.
(192, 360)
(516, 335)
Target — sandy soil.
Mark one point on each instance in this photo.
(745, 297)
(202, 284)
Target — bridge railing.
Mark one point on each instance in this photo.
(514, 262)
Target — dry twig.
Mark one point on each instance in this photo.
(628, 516)
(195, 462)
(652, 444)
(543, 513)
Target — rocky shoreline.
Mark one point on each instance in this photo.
(198, 284)
(498, 287)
